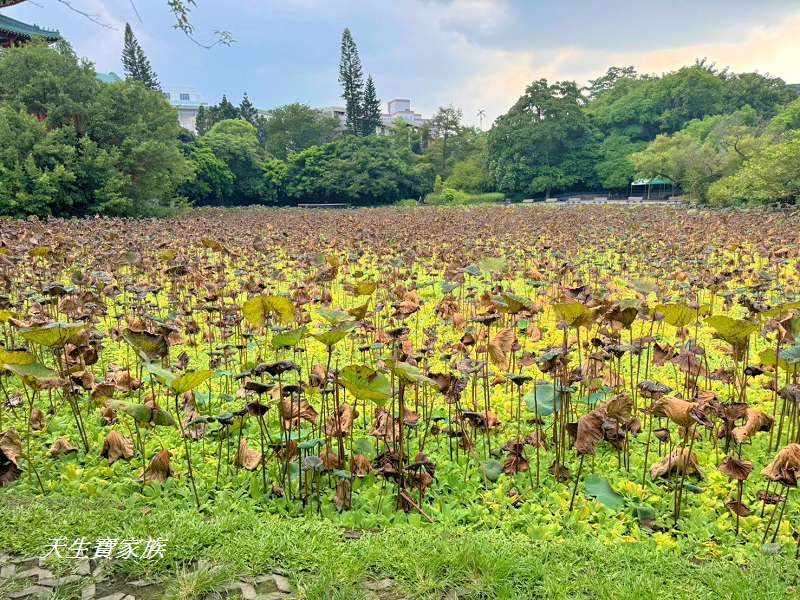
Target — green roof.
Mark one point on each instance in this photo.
(653, 181)
(109, 77)
(23, 30)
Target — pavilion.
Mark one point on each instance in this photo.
(14, 33)
(653, 188)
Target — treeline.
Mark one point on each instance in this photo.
(710, 131)
(71, 145)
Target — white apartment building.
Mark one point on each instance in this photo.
(188, 102)
(399, 108)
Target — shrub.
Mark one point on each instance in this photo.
(451, 197)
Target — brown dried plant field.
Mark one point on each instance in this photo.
(490, 402)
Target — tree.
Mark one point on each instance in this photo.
(469, 175)
(446, 123)
(608, 81)
(351, 79)
(544, 143)
(137, 66)
(247, 111)
(224, 110)
(771, 175)
(371, 110)
(235, 142)
(615, 169)
(358, 170)
(203, 120)
(701, 153)
(213, 181)
(293, 128)
(93, 149)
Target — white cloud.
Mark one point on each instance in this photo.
(500, 77)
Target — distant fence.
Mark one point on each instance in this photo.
(324, 205)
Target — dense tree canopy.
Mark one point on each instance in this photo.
(358, 170)
(72, 145)
(295, 127)
(545, 142)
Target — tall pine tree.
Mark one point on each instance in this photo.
(224, 110)
(371, 109)
(203, 122)
(135, 63)
(248, 111)
(351, 79)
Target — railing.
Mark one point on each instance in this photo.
(325, 205)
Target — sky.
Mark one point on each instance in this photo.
(474, 54)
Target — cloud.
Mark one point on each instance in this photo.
(500, 76)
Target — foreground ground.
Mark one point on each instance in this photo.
(426, 403)
(325, 561)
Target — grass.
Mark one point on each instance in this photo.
(426, 562)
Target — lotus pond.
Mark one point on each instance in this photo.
(622, 374)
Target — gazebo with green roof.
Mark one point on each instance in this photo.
(14, 33)
(653, 188)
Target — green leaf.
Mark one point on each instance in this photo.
(791, 355)
(676, 314)
(162, 375)
(333, 336)
(16, 357)
(733, 331)
(406, 372)
(546, 397)
(492, 264)
(599, 488)
(492, 469)
(189, 381)
(54, 335)
(257, 308)
(33, 373)
(365, 288)
(365, 383)
(288, 339)
(573, 314)
(333, 316)
(643, 287)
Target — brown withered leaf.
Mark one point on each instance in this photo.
(785, 466)
(756, 421)
(159, 468)
(330, 460)
(736, 468)
(293, 411)
(62, 446)
(246, 457)
(500, 345)
(619, 408)
(10, 452)
(360, 466)
(340, 421)
(343, 495)
(738, 508)
(116, 446)
(37, 419)
(676, 410)
(590, 432)
(679, 460)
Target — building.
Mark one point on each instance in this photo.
(399, 108)
(14, 33)
(109, 77)
(187, 102)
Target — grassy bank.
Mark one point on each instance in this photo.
(324, 561)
